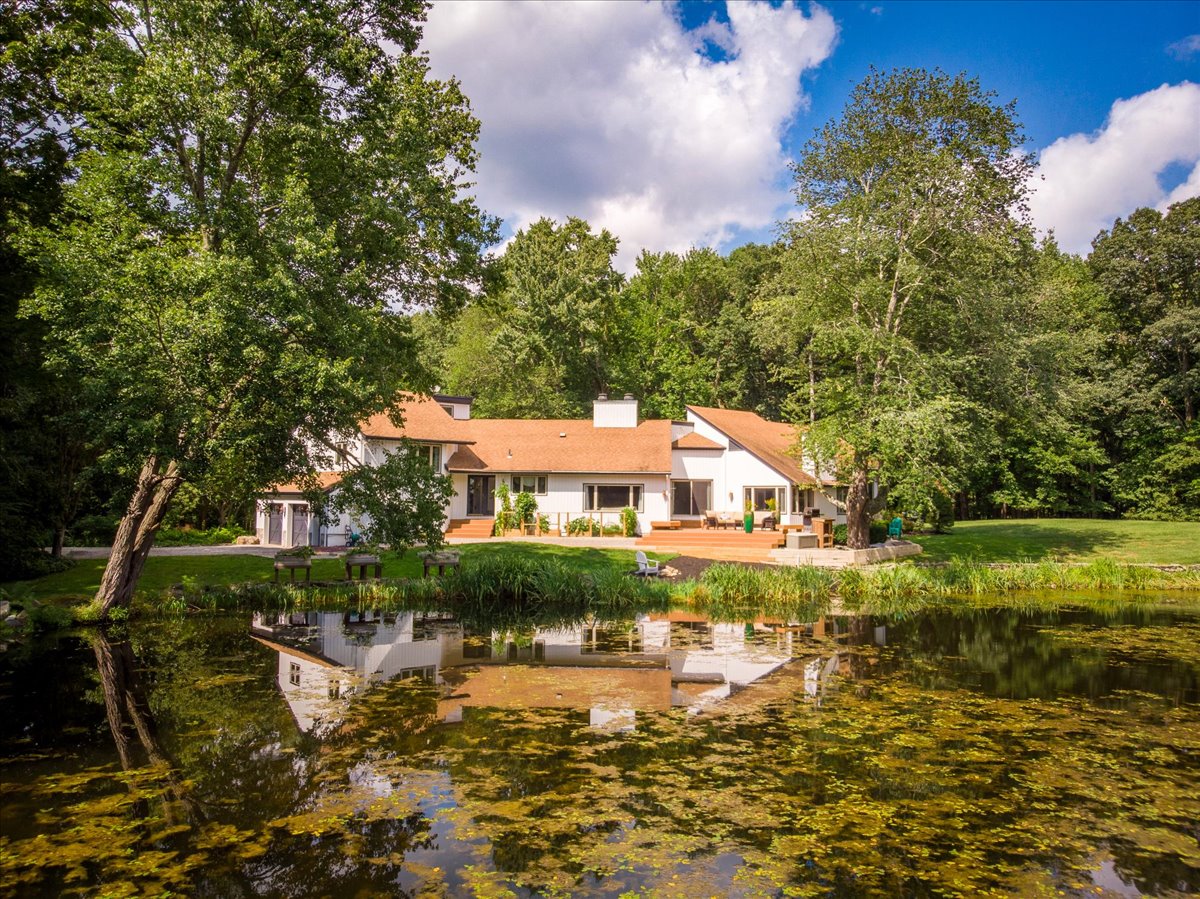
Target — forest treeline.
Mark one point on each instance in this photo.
(1102, 421)
(209, 268)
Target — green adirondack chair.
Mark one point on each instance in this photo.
(894, 527)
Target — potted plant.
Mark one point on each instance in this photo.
(295, 554)
(748, 518)
(772, 506)
(362, 553)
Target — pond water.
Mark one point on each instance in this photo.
(950, 752)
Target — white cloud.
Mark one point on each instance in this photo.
(612, 112)
(1185, 49)
(1087, 181)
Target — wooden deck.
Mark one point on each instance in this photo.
(724, 544)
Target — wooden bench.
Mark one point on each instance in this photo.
(440, 561)
(293, 564)
(362, 563)
(665, 525)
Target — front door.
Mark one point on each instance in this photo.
(481, 495)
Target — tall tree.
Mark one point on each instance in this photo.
(898, 284)
(260, 185)
(1149, 267)
(543, 342)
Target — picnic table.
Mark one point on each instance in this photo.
(440, 561)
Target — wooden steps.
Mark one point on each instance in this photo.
(470, 528)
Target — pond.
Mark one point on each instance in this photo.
(948, 752)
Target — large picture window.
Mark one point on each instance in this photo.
(529, 483)
(758, 496)
(691, 497)
(611, 497)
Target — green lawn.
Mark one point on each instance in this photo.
(1069, 539)
(166, 571)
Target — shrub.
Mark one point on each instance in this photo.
(878, 533)
(33, 563)
(580, 527)
(629, 521)
(94, 530)
(194, 537)
(524, 509)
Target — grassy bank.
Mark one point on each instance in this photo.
(164, 572)
(1067, 539)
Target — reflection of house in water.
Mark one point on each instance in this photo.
(614, 671)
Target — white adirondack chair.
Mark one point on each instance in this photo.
(645, 567)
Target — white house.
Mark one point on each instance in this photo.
(715, 460)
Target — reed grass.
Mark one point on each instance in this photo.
(513, 591)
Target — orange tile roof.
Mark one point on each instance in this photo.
(424, 420)
(772, 442)
(325, 480)
(538, 445)
(696, 441)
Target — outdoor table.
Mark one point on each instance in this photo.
(291, 564)
(440, 561)
(362, 563)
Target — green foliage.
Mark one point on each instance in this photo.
(583, 527)
(194, 537)
(400, 502)
(629, 522)
(222, 275)
(524, 509)
(909, 199)
(505, 520)
(33, 563)
(542, 342)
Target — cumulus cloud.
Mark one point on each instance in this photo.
(1087, 181)
(615, 113)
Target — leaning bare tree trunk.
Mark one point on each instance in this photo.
(858, 513)
(136, 533)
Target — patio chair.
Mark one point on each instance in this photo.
(645, 567)
(727, 520)
(895, 526)
(710, 518)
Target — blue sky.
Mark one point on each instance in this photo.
(672, 124)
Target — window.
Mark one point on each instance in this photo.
(447, 408)
(805, 498)
(529, 483)
(294, 674)
(434, 455)
(691, 497)
(427, 673)
(611, 497)
(840, 493)
(758, 496)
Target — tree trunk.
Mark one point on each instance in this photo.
(135, 535)
(858, 516)
(60, 537)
